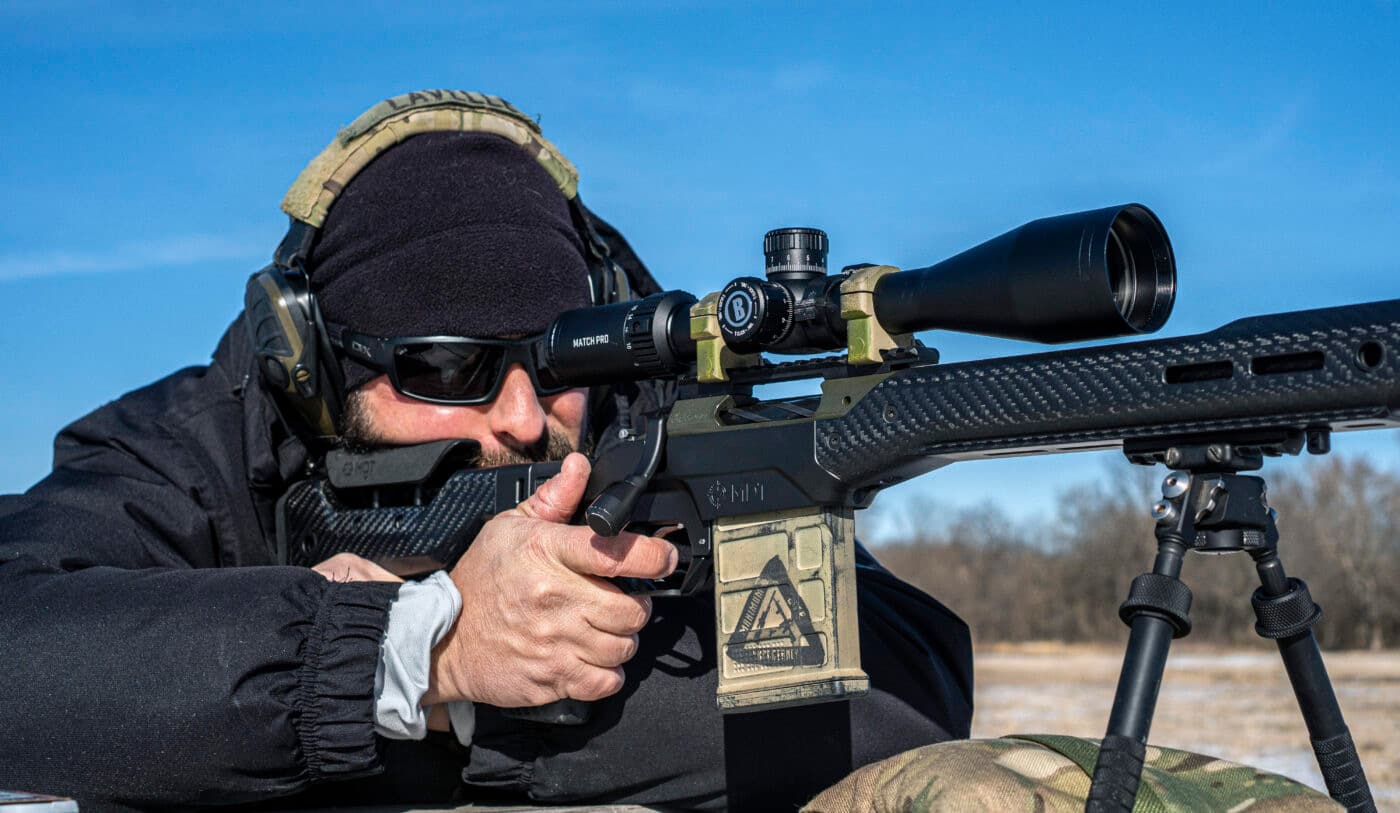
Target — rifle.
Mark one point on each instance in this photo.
(764, 491)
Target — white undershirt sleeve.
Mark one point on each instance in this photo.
(419, 617)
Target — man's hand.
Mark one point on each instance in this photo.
(347, 567)
(539, 622)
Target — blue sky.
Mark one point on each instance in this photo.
(146, 148)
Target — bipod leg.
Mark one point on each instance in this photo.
(1286, 613)
(1157, 610)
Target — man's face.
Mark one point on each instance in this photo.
(519, 426)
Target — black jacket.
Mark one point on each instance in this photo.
(122, 620)
(152, 654)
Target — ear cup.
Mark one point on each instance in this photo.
(281, 319)
(615, 272)
(271, 328)
(607, 281)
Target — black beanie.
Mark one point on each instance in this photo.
(457, 234)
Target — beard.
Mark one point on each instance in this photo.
(360, 435)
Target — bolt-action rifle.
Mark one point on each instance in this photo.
(763, 492)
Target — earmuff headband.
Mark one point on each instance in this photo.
(393, 120)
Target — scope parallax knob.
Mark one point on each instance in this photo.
(754, 314)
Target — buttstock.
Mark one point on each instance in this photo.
(403, 528)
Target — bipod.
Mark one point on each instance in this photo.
(1209, 507)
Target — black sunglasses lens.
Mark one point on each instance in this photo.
(448, 371)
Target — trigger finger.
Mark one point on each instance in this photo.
(625, 555)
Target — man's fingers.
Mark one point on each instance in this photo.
(558, 498)
(627, 554)
(595, 683)
(618, 613)
(347, 567)
(606, 651)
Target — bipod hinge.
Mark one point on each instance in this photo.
(1216, 512)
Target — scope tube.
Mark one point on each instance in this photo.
(626, 341)
(1087, 275)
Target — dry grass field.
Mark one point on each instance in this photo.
(1230, 703)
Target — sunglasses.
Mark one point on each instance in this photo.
(452, 370)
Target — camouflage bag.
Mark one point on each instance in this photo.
(1044, 772)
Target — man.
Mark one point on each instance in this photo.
(157, 655)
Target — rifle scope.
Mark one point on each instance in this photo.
(1087, 275)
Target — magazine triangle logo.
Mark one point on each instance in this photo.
(775, 627)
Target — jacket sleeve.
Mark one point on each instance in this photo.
(131, 676)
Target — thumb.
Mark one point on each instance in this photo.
(558, 498)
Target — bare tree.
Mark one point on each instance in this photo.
(1343, 516)
(1063, 580)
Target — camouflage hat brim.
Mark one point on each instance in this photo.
(393, 120)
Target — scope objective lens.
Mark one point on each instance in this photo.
(1121, 277)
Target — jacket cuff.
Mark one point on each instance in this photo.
(335, 683)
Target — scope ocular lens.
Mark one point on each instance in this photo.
(624, 341)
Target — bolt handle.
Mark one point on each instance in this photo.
(610, 512)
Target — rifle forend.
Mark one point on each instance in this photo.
(1334, 368)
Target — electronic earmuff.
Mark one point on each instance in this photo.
(290, 341)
